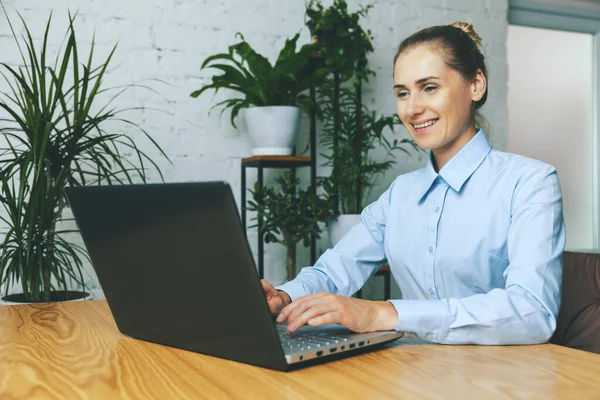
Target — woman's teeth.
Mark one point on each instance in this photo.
(426, 124)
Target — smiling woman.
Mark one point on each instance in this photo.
(440, 81)
(474, 239)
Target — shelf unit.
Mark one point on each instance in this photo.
(293, 162)
(260, 163)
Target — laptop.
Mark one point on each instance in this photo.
(176, 269)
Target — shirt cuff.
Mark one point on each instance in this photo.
(293, 289)
(428, 319)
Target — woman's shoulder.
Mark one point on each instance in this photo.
(521, 175)
(518, 164)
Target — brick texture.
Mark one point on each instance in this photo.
(161, 44)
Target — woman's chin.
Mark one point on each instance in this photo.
(426, 143)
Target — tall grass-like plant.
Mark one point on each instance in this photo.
(55, 138)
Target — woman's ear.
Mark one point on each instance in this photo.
(478, 86)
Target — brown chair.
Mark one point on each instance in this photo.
(578, 324)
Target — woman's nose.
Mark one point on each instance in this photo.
(414, 106)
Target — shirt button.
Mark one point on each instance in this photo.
(430, 249)
(437, 209)
(429, 336)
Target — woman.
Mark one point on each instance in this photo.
(474, 239)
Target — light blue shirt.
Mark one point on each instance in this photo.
(476, 249)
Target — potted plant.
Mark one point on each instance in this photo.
(288, 215)
(55, 134)
(351, 132)
(354, 168)
(272, 95)
(340, 38)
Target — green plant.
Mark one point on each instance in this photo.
(351, 132)
(361, 132)
(261, 83)
(54, 139)
(288, 215)
(340, 39)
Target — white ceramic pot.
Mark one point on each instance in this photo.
(338, 227)
(273, 129)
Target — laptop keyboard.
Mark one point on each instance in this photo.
(302, 341)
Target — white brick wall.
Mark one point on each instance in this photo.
(168, 39)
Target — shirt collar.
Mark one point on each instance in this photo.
(459, 168)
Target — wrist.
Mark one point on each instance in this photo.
(286, 297)
(386, 316)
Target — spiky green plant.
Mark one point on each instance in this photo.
(55, 139)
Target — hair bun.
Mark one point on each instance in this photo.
(468, 29)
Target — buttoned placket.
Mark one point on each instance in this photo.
(435, 207)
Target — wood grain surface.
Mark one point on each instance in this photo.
(74, 351)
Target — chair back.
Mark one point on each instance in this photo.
(578, 324)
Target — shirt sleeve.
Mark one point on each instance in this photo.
(525, 310)
(345, 268)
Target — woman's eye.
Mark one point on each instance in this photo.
(402, 95)
(430, 89)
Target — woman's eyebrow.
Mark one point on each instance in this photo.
(419, 81)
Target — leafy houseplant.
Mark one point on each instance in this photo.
(266, 89)
(344, 45)
(340, 38)
(354, 168)
(54, 140)
(351, 132)
(261, 83)
(288, 215)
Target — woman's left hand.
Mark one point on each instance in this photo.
(325, 308)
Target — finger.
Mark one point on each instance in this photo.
(297, 307)
(273, 306)
(267, 287)
(283, 315)
(285, 311)
(274, 302)
(302, 309)
(312, 312)
(319, 299)
(300, 305)
(333, 317)
(314, 307)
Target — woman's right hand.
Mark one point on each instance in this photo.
(275, 298)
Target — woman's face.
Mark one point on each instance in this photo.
(434, 101)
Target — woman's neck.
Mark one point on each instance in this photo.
(445, 153)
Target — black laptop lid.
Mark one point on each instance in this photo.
(176, 269)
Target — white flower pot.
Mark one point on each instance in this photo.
(338, 228)
(273, 129)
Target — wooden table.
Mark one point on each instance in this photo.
(74, 351)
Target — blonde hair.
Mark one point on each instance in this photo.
(468, 29)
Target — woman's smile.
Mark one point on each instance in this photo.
(424, 126)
